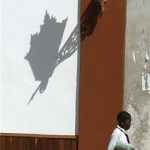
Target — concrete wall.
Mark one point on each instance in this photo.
(137, 71)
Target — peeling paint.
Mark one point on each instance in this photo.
(133, 56)
(146, 81)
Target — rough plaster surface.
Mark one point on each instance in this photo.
(137, 72)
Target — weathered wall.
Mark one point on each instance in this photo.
(137, 71)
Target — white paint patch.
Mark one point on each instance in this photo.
(146, 56)
(133, 56)
(145, 81)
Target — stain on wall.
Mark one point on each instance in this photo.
(137, 71)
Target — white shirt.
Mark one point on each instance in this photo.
(117, 135)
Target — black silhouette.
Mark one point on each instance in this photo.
(44, 54)
(89, 18)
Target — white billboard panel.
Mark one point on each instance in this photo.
(38, 68)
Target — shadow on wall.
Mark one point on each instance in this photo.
(44, 55)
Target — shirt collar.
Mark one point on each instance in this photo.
(121, 129)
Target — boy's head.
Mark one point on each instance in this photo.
(124, 120)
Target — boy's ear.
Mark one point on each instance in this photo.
(122, 123)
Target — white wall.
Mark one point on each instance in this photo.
(54, 111)
(0, 71)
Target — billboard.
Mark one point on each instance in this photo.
(39, 49)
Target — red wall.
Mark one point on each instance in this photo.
(101, 77)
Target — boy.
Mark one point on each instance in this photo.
(119, 138)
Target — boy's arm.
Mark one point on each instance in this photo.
(123, 146)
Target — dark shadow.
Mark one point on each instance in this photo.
(82, 30)
(44, 51)
(89, 18)
(44, 54)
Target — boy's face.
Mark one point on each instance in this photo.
(127, 124)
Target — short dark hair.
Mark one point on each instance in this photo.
(123, 116)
